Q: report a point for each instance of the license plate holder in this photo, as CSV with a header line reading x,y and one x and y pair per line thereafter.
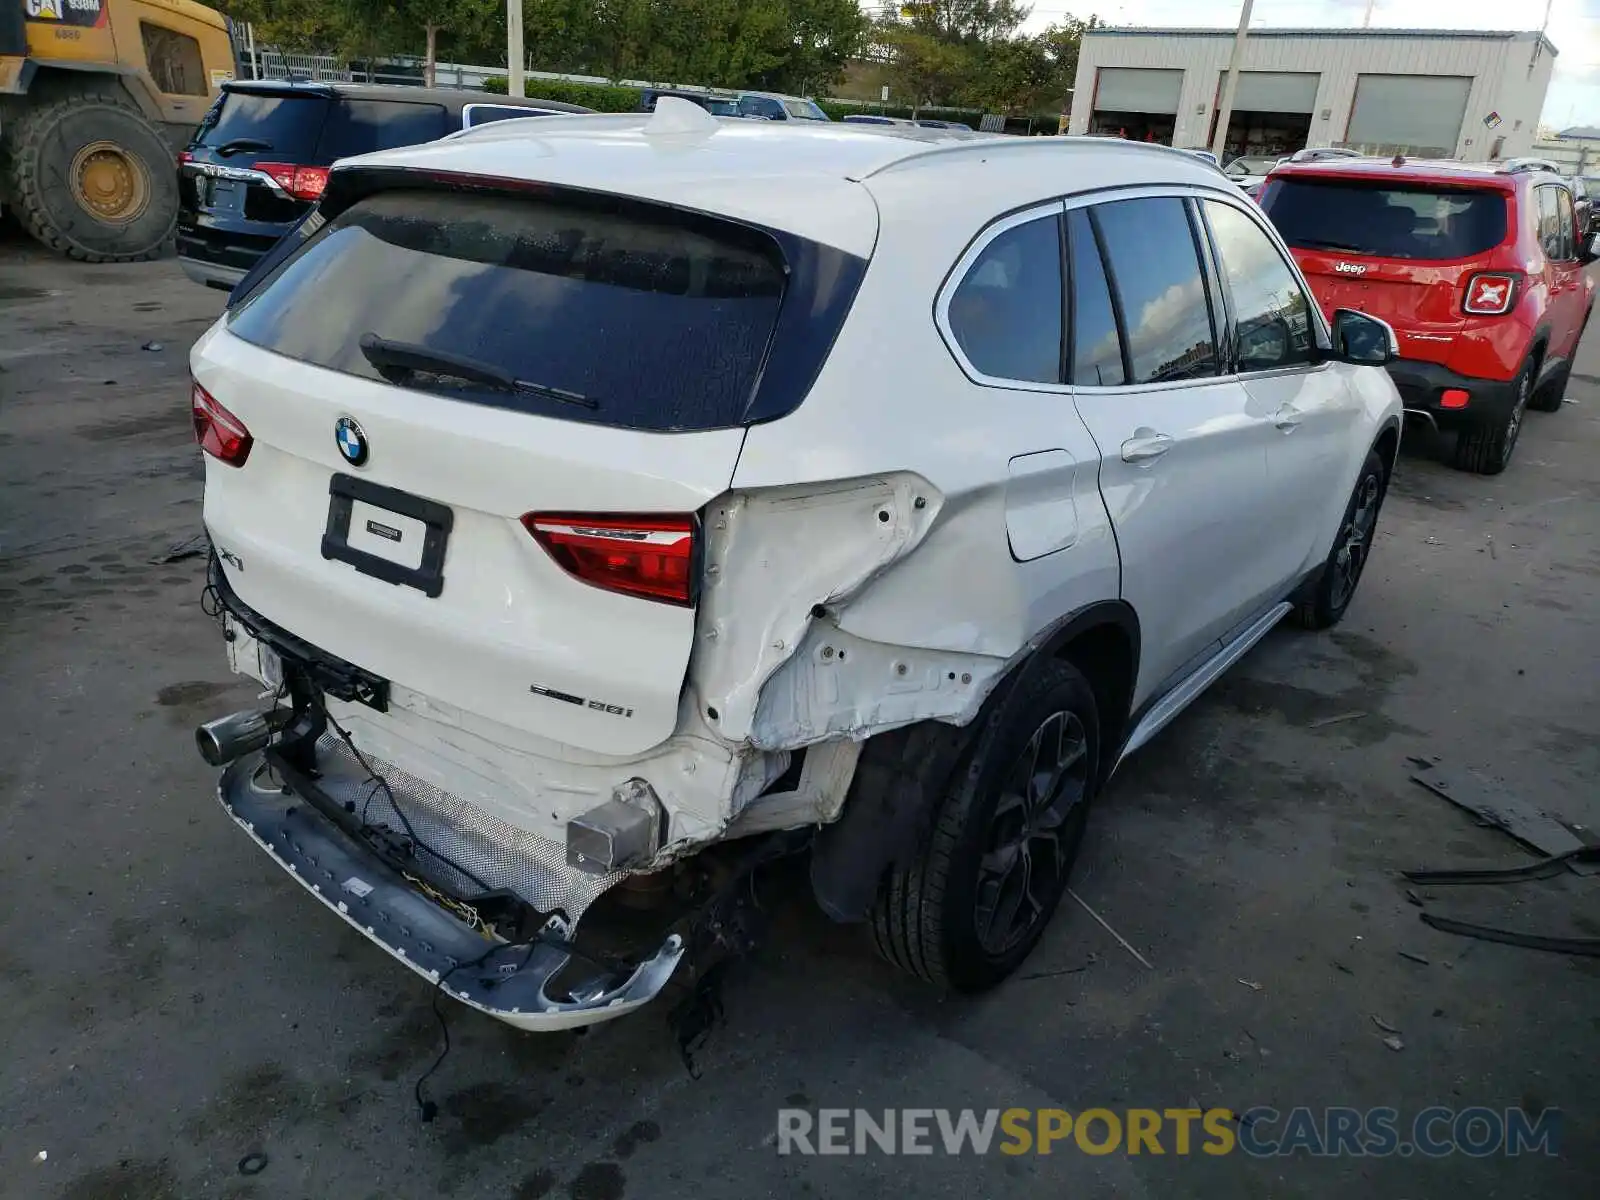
x,y
344,491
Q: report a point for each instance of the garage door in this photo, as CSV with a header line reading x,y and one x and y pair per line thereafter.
x,y
1137,90
1272,91
1418,111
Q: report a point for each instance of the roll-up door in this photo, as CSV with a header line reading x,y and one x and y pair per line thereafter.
x,y
1137,90
1419,111
1273,91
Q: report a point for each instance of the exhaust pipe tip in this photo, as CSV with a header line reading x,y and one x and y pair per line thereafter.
x,y
226,738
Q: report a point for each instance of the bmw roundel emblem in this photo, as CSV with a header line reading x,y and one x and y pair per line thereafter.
x,y
352,442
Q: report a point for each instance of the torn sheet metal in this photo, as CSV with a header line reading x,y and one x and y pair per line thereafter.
x,y
775,557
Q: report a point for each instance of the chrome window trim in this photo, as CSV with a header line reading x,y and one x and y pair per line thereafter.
x,y
958,275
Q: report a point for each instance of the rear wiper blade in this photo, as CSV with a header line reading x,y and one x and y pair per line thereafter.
x,y
240,145
399,361
1324,244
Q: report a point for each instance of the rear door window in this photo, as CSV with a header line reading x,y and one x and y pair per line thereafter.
x,y
1355,217
1556,223
363,126
1006,312
1569,249
284,128
633,319
1156,277
1096,344
484,114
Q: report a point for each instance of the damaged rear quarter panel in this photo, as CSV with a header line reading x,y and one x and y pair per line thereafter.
x,y
924,609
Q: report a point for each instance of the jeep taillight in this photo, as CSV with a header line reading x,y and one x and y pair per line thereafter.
x,y
647,556
220,434
303,183
1491,293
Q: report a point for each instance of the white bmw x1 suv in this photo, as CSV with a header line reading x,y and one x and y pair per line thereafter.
x,y
613,503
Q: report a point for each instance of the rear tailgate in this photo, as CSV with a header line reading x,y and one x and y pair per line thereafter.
x,y
224,185
1398,249
640,344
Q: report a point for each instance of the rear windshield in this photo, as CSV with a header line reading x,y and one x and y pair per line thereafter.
x,y
363,126
603,316
285,127
1388,222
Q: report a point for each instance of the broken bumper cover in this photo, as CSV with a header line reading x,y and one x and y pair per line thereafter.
x,y
509,982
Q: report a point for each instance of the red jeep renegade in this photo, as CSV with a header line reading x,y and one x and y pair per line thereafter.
x,y
1479,269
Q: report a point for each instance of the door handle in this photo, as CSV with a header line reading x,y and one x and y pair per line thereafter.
x,y
1144,445
1287,418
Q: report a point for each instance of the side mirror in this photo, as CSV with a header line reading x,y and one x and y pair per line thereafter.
x,y
1358,338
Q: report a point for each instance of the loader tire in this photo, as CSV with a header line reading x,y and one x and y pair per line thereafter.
x,y
91,178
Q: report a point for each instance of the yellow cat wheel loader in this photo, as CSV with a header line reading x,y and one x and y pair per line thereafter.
x,y
96,98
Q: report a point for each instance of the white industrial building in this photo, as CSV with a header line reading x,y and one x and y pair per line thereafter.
x,y
1445,93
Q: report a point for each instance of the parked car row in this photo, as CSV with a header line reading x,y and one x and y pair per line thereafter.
x,y
962,505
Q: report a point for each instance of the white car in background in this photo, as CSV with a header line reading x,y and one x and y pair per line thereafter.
x,y
614,503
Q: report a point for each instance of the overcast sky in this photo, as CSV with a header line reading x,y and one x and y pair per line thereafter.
x,y
1574,97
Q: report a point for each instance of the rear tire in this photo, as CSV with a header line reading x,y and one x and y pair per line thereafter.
x,y
1341,574
1549,397
974,903
92,179
1486,448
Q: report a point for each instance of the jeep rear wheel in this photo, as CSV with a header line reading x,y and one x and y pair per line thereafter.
x,y
1549,398
1486,448
94,180
975,902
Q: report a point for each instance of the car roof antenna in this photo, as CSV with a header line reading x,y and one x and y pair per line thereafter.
x,y
675,116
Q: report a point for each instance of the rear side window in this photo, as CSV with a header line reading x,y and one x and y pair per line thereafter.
x,y
363,126
1155,271
761,106
1417,221
1272,317
615,318
1555,223
282,127
804,110
1006,312
1096,345
484,114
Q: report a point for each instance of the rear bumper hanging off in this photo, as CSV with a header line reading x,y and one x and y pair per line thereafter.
x,y
504,980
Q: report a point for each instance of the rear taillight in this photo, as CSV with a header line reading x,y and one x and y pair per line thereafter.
x,y
184,156
220,434
647,556
303,183
1491,293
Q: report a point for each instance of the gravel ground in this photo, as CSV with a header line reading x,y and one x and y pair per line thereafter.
x,y
172,1003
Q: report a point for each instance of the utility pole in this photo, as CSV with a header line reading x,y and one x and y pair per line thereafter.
x,y
514,51
1366,21
1231,83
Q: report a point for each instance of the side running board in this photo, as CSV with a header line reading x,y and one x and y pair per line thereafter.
x,y
1203,676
